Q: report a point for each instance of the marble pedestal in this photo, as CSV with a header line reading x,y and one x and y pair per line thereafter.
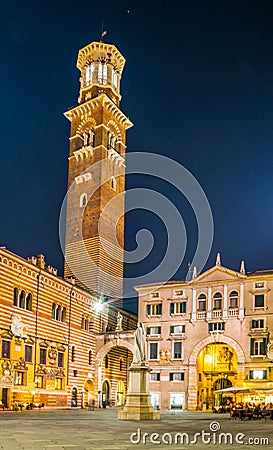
x,y
138,404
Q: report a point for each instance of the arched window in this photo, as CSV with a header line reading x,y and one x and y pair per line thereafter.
x,y
90,357
83,200
83,322
29,302
15,296
120,365
115,78
73,353
233,299
89,72
202,302
217,300
58,312
113,183
64,315
102,73
106,362
53,315
22,296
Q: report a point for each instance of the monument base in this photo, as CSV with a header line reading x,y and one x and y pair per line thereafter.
x,y
138,404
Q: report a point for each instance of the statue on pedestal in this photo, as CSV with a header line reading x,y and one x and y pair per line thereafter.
x,y
119,322
140,354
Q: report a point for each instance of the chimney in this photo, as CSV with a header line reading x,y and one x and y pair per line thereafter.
x,y
41,261
32,260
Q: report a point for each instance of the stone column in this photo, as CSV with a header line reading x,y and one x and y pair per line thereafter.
x,y
241,304
193,316
225,306
209,314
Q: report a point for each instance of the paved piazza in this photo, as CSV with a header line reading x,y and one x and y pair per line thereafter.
x,y
100,429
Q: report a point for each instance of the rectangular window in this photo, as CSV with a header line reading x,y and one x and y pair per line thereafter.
x,y
258,346
217,326
39,381
153,350
258,323
60,359
20,378
28,353
177,329
155,295
177,350
178,293
178,308
59,383
153,330
42,355
6,349
154,309
259,301
155,376
177,376
257,375
259,285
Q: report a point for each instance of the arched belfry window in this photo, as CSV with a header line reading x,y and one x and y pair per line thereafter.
x,y
88,138
15,296
22,296
83,200
115,78
89,73
102,73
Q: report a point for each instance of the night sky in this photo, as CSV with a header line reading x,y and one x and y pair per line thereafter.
x,y
198,86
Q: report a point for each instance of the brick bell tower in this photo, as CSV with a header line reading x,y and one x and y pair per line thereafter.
x,y
97,174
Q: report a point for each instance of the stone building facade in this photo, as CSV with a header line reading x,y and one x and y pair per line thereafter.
x,y
50,334
207,334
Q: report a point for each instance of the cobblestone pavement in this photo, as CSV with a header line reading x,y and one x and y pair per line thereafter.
x,y
100,429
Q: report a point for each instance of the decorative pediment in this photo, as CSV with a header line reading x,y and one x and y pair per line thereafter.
x,y
29,341
40,370
61,348
43,344
7,335
219,273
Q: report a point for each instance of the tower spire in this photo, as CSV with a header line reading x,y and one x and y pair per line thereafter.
x,y
242,268
218,259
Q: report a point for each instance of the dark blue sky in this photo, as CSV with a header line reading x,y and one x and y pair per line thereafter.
x,y
198,85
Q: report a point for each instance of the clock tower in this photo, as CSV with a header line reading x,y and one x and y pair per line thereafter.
x,y
96,175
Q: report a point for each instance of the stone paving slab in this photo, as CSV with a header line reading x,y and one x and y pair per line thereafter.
x,y
101,429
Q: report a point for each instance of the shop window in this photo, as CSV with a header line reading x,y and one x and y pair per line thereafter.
x,y
59,383
257,375
39,381
20,378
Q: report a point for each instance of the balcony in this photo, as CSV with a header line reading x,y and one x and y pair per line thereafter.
x,y
233,312
217,313
201,315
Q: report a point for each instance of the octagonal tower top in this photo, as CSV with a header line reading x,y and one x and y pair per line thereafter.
x,y
101,66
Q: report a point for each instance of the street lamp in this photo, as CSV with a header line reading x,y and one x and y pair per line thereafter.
x,y
98,307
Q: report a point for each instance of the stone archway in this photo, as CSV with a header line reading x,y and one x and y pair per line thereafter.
x,y
89,392
212,339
